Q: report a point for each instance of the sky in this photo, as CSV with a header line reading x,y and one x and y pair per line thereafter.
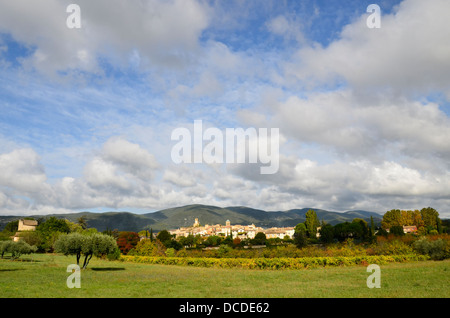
x,y
87,112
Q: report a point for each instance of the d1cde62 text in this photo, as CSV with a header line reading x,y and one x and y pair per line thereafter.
x,y
245,307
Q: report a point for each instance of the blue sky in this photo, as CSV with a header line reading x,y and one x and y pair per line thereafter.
x,y
87,114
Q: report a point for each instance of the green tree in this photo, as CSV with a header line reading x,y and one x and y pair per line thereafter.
x,y
397,230
31,237
311,223
392,218
259,239
11,227
363,231
372,226
5,247
300,239
49,231
77,244
212,240
164,236
439,225
71,244
82,221
16,248
326,233
429,217
346,230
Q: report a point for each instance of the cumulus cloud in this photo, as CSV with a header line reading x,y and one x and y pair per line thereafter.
x,y
152,32
407,55
341,122
22,171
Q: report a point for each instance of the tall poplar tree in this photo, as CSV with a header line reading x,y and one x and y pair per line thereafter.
x,y
311,223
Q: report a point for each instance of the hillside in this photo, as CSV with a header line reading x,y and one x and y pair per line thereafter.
x,y
184,216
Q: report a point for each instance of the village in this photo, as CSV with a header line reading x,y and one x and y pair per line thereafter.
x,y
235,231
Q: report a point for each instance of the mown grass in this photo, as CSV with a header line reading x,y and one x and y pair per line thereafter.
x,y
45,276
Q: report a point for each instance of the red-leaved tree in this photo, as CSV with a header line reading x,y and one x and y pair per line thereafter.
x,y
127,241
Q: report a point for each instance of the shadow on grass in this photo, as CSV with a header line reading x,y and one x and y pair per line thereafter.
x,y
24,260
11,269
106,269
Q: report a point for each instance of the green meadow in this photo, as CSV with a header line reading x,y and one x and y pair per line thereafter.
x,y
45,275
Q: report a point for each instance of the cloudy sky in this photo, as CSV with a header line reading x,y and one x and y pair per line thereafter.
x,y
86,114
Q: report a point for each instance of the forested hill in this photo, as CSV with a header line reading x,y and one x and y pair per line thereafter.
x,y
184,216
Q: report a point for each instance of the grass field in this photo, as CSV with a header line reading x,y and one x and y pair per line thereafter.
x,y
41,275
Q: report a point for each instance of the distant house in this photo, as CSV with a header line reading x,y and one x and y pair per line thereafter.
x,y
25,225
280,233
407,229
410,229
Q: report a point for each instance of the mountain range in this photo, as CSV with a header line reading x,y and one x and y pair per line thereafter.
x,y
174,218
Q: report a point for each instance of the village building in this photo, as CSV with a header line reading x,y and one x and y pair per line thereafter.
x,y
279,232
24,225
407,229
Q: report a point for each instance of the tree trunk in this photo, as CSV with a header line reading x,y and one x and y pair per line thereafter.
x,y
86,260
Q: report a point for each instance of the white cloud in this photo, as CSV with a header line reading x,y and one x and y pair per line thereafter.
x,y
407,55
161,32
286,26
21,170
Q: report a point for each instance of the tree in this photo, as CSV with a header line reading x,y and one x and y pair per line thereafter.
x,y
78,244
259,239
163,236
372,237
397,230
49,231
5,247
11,227
439,225
346,230
82,221
98,245
392,218
213,240
372,226
362,231
311,223
300,239
16,248
150,248
127,241
417,219
326,233
429,217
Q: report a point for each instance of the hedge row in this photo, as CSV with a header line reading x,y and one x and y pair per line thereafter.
x,y
274,263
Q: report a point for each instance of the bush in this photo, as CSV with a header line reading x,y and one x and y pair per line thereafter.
x,y
148,248
393,247
273,263
438,249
